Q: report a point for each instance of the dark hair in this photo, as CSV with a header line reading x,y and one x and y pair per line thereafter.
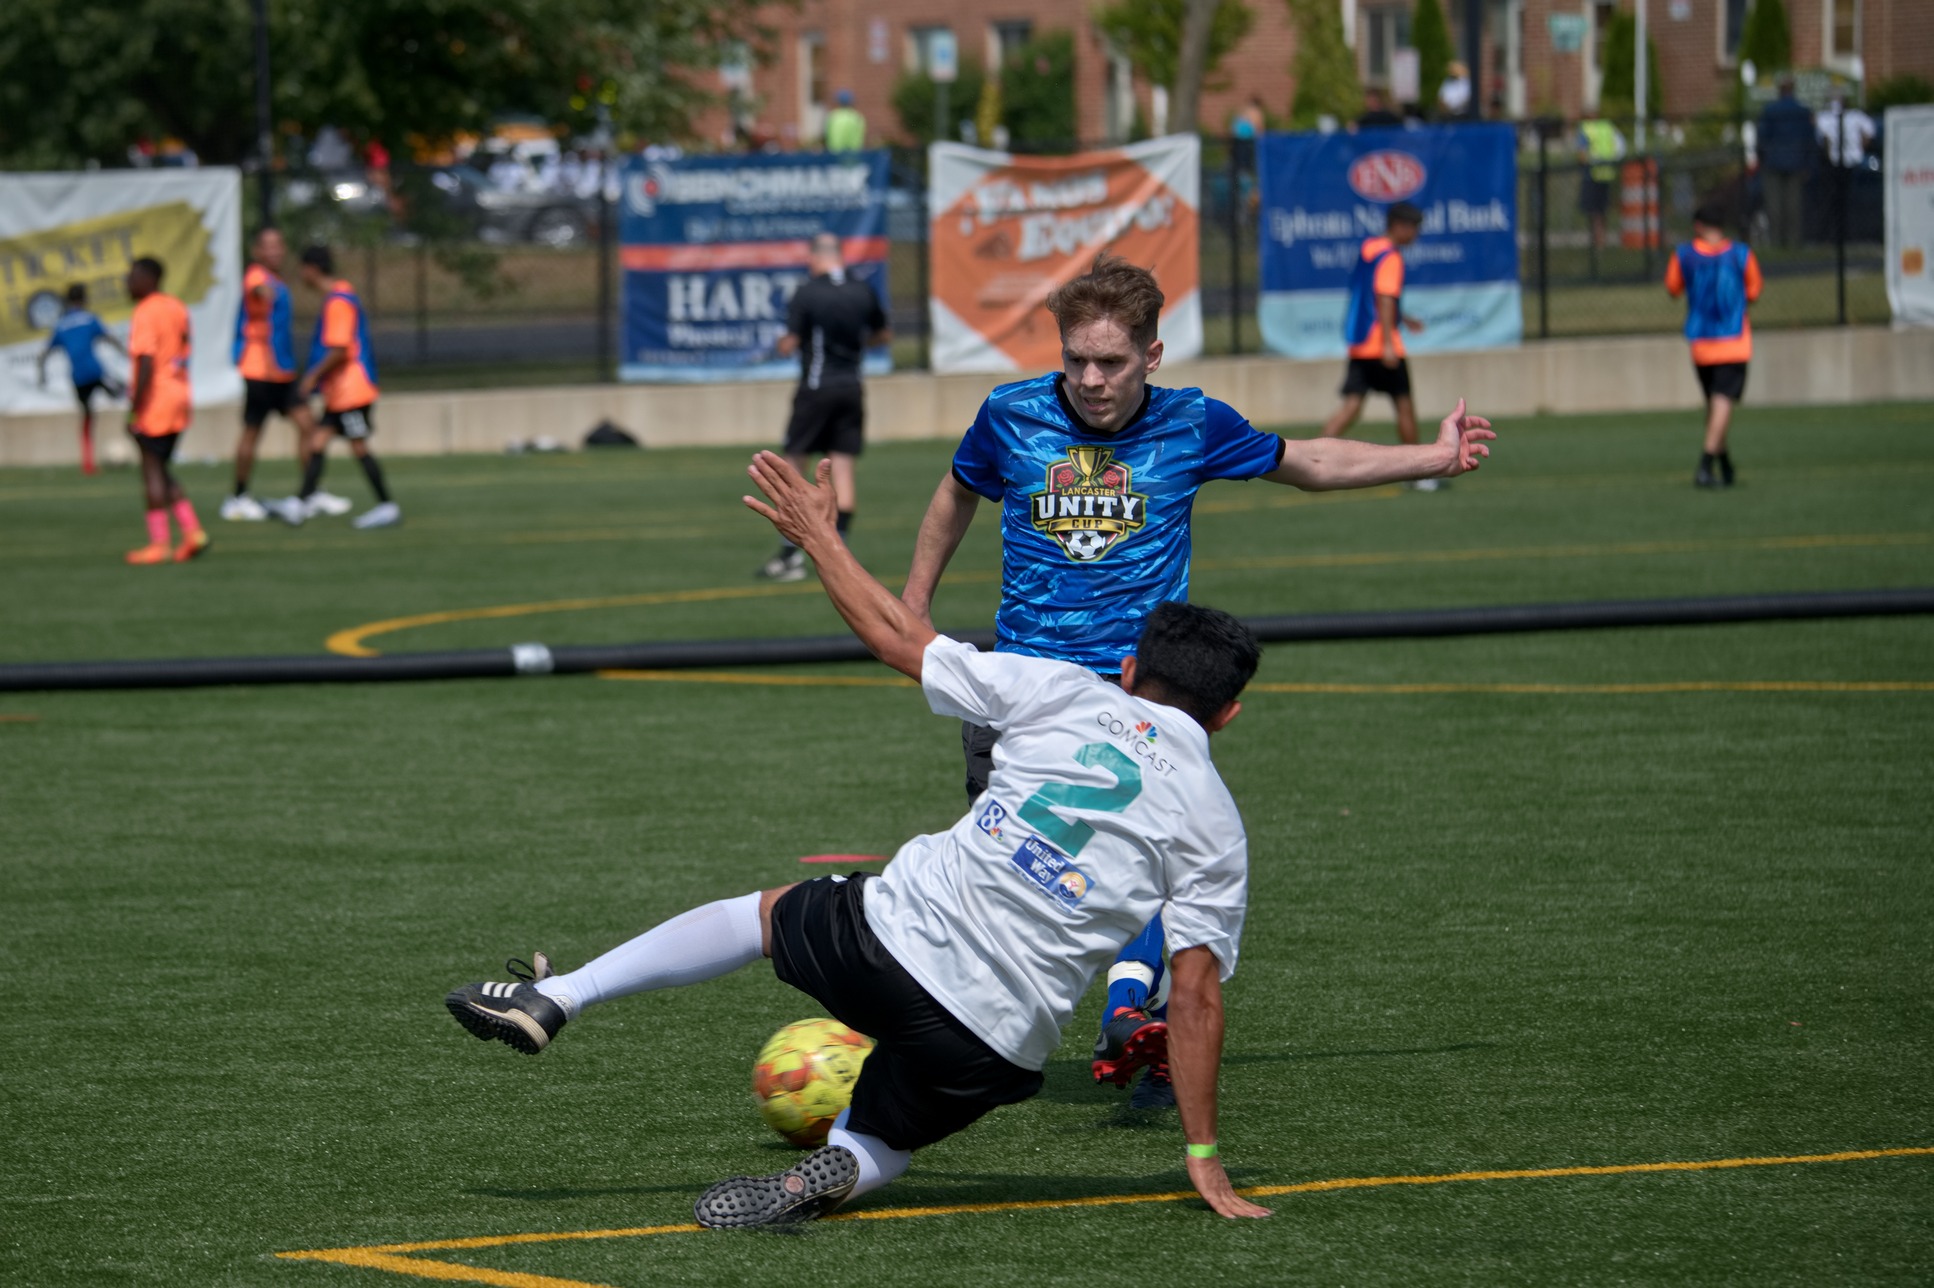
x,y
1404,213
151,266
1710,214
1194,658
77,293
319,257
1113,289
264,231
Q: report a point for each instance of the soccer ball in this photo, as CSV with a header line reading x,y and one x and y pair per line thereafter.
x,y
804,1077
1086,545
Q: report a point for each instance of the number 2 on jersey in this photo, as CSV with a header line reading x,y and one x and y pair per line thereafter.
x,y
1069,838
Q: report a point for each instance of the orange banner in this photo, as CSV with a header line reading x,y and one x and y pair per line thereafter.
x,y
1006,230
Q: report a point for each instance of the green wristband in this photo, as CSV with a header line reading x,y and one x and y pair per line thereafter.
x,y
1202,1151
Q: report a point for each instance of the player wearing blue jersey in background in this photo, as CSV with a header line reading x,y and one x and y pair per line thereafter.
x,y
75,334
1096,473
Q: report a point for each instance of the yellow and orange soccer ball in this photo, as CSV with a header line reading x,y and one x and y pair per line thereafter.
x,y
804,1077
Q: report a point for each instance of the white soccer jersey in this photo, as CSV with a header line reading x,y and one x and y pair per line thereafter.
x,y
1103,810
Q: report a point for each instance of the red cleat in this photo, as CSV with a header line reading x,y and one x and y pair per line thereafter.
x,y
1129,1040
152,553
192,545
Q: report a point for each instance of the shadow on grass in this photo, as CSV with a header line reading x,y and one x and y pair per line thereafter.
x,y
1070,1082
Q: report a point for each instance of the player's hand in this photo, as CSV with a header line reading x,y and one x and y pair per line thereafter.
x,y
1212,1183
1413,325
1462,436
1391,360
804,513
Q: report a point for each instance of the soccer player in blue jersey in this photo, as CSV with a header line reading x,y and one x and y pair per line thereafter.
x,y
75,334
1096,471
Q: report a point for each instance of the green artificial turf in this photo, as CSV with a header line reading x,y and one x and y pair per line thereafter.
x,y
1487,930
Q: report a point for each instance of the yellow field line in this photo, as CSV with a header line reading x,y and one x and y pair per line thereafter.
x,y
393,1257
18,719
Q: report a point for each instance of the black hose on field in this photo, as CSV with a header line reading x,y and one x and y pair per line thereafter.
x,y
539,659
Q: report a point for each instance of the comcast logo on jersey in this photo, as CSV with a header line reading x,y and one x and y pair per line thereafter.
x,y
1139,737
1087,505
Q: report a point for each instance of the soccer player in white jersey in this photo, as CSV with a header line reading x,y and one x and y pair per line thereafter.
x,y
965,958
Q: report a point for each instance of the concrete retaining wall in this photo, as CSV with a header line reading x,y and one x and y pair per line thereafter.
x,y
1640,373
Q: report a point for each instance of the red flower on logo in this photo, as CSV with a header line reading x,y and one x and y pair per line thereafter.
x,y
1064,477
1112,477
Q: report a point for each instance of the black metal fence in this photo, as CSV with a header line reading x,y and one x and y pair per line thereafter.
x,y
473,282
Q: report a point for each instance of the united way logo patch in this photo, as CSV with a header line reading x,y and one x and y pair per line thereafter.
x,y
1089,503
1050,869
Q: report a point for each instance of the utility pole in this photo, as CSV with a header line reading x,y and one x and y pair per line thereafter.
x,y
1639,86
1474,55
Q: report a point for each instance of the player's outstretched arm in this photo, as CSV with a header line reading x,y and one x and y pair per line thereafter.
x,y
807,515
1195,1061
941,530
1334,464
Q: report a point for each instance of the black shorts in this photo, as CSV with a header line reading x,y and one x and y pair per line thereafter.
x,y
85,392
1370,376
352,422
929,1075
1594,195
827,420
159,446
261,397
1723,380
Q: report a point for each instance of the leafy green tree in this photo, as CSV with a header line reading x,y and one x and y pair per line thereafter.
x,y
1037,91
913,102
1149,35
1618,92
1430,36
1324,69
1765,38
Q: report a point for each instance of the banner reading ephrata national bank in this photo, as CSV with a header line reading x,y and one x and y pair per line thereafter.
x,y
58,230
1006,230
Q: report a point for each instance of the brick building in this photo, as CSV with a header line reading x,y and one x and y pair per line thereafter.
x,y
1540,56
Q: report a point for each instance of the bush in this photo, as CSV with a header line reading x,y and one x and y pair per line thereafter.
x,y
1324,69
1765,38
913,101
1430,34
1037,91
1899,91
1618,93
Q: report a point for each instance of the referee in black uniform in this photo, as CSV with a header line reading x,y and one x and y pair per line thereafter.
x,y
830,324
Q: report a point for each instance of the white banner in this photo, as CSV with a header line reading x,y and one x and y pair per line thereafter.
x,y
60,229
1005,230
1910,215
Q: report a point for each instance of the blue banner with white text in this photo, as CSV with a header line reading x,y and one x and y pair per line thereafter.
x,y
713,247
1324,194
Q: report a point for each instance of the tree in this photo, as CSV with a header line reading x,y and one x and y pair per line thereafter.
x,y
1037,91
1430,36
913,102
1149,34
1618,92
1324,70
1765,39
82,83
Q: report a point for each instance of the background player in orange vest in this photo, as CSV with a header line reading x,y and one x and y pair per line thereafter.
x,y
342,367
159,408
265,354
1373,329
1719,279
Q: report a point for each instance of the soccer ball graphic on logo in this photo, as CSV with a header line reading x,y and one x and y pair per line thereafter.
x,y
804,1076
1087,545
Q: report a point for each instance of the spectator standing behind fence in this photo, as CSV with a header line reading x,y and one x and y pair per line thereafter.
x,y
1845,132
1720,279
1786,152
845,127
1600,148
1454,95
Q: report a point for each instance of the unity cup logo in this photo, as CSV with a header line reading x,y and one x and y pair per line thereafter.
x,y
1087,505
1386,176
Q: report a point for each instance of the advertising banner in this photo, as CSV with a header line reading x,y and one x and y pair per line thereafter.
x,y
59,230
1323,194
1006,230
713,248
1910,215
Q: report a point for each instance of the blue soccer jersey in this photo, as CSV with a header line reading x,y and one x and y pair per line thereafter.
x,y
1095,527
75,334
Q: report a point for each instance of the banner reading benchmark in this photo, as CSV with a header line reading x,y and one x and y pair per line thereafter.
x,y
714,247
1006,230
1322,194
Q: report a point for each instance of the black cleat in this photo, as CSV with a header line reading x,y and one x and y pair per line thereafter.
x,y
1725,470
514,1014
1129,1041
1703,476
809,1189
1154,1091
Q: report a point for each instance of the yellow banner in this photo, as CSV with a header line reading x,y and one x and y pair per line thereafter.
x,y
36,269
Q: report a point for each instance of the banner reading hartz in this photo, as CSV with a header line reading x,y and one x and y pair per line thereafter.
x,y
714,247
1006,230
60,230
1322,194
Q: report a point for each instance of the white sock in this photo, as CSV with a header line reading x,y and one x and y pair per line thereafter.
x,y
879,1162
694,946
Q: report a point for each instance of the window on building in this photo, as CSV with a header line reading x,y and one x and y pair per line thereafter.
x,y
1732,24
1385,30
1004,40
1843,30
920,41
812,84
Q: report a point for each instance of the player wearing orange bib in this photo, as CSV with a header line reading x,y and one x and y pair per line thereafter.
x,y
159,409
343,369
265,354
1720,281
1373,328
